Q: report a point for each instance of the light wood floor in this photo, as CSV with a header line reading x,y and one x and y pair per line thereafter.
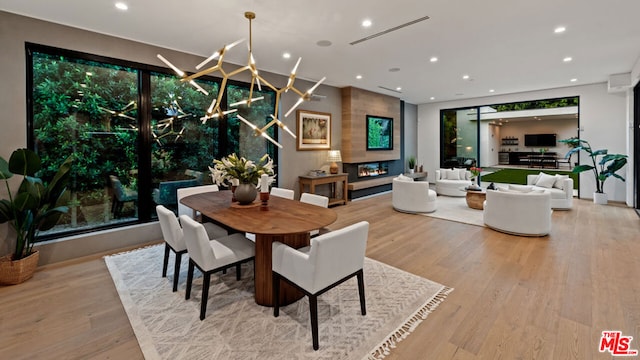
x,y
514,297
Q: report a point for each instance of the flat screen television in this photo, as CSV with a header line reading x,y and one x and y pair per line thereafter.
x,y
379,133
540,140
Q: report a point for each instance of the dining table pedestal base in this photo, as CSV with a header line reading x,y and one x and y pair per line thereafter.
x,y
263,273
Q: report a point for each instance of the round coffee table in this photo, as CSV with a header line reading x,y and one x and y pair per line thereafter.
x,y
475,199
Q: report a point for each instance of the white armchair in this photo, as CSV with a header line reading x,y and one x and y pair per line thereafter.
x,y
518,213
331,259
413,196
173,241
451,182
213,230
210,256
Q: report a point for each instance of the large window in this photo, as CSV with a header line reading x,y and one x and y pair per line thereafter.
x,y
135,132
492,135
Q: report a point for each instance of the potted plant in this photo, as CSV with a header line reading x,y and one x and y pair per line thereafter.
x,y
34,207
602,169
412,164
246,172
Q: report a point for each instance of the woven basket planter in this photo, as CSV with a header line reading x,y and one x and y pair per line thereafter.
x,y
14,272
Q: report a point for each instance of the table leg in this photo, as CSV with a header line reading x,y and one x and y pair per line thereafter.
x,y
262,273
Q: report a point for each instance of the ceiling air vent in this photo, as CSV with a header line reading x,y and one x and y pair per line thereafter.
x,y
389,30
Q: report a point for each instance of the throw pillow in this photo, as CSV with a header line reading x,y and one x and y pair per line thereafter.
x,y
559,183
453,175
462,174
401,177
443,174
545,180
520,188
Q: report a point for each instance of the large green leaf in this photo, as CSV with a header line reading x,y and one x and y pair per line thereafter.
x,y
4,169
6,211
24,162
581,168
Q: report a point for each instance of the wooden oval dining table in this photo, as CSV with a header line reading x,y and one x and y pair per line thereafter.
x,y
286,221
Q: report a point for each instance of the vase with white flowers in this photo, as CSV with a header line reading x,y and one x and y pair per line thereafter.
x,y
247,173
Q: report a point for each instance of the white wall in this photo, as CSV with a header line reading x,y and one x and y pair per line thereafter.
x,y
603,118
410,135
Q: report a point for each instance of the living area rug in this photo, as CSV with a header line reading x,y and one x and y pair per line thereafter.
x,y
455,209
168,327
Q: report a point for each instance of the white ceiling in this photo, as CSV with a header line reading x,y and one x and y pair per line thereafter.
x,y
506,45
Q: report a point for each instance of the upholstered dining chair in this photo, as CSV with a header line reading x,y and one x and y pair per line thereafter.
x,y
210,256
213,230
283,193
317,200
173,241
331,259
121,195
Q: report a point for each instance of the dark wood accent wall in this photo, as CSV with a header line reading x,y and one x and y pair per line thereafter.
x,y
356,105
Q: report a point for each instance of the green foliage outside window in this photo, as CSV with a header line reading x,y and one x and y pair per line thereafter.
x,y
90,109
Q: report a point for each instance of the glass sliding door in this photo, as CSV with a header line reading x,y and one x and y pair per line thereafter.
x,y
459,134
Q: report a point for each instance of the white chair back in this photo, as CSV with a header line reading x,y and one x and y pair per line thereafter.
x,y
198,247
183,192
314,199
283,193
337,254
171,230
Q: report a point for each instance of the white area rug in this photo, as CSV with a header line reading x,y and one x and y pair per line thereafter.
x,y
456,209
168,327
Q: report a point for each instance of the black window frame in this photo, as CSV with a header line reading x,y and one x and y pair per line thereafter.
x,y
146,207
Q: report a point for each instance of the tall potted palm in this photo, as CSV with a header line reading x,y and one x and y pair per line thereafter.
x,y
35,206
602,169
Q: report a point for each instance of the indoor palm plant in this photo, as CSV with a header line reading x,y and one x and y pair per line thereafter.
x,y
602,169
35,206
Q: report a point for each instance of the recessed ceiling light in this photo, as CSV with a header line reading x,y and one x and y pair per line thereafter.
x,y
567,59
358,77
366,23
491,90
324,43
395,69
286,55
574,80
432,98
122,6
434,59
399,88
559,29
465,77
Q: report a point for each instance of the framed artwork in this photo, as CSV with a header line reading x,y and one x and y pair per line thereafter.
x,y
379,133
313,130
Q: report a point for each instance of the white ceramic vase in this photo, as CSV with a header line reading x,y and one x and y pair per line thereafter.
x,y
600,198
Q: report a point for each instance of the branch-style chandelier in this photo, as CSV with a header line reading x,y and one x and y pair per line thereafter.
x,y
214,110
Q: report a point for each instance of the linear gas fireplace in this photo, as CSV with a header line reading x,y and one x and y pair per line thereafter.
x,y
373,169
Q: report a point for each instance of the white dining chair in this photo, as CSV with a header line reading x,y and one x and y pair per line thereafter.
x,y
173,241
213,230
283,193
214,255
331,259
317,200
